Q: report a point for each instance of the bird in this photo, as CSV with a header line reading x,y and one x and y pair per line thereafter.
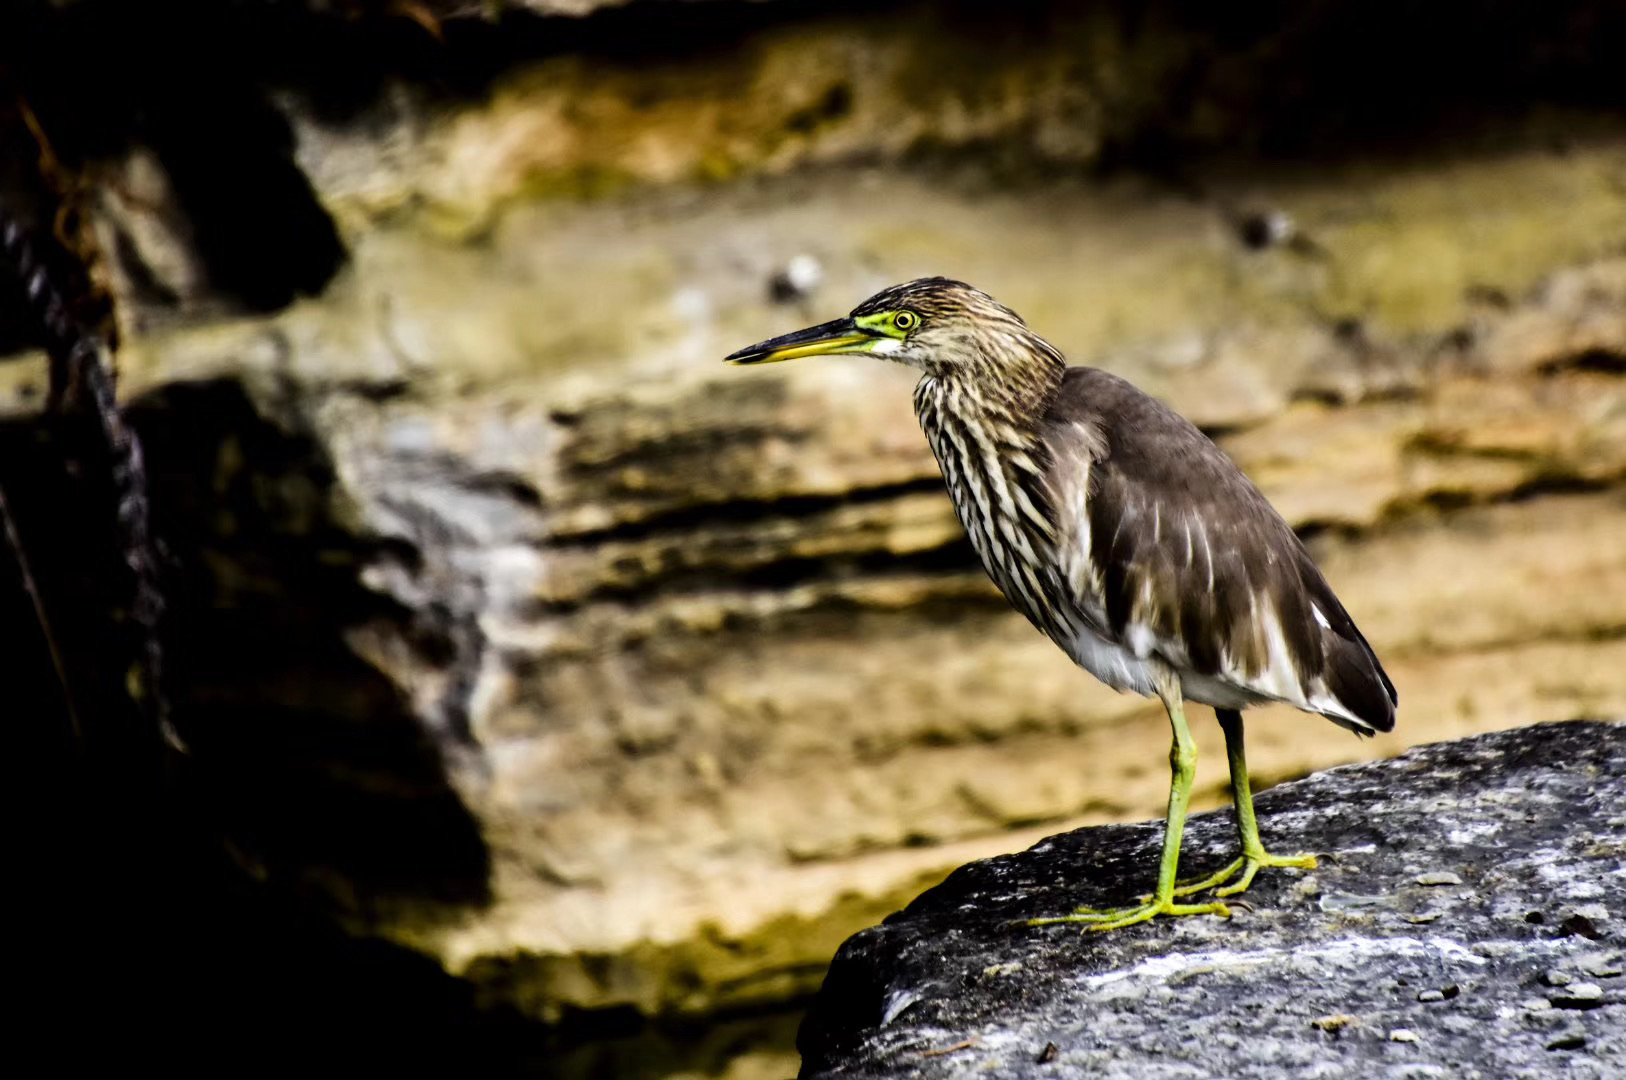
x,y
1129,538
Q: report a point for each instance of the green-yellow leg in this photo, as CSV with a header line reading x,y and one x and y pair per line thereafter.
x,y
1182,770
1254,856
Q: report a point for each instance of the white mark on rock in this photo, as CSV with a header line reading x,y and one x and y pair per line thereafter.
x,y
896,1002
1473,834
1346,950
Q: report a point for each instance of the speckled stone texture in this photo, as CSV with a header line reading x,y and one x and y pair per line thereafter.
x,y
1466,921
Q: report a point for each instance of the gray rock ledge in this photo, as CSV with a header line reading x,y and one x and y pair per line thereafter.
x,y
1466,921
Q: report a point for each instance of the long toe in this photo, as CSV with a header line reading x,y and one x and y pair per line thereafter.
x,y
1152,910
1085,915
1115,919
1218,877
1252,864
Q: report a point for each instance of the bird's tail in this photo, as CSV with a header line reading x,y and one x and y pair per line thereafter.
x,y
1358,682
1355,678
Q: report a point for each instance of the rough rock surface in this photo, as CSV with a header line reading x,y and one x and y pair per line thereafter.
x,y
1465,921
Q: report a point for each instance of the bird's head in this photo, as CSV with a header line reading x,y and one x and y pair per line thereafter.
x,y
946,328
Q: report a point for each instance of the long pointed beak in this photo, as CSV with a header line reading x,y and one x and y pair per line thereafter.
x,y
836,336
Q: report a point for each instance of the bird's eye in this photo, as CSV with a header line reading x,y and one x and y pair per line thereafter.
x,y
905,320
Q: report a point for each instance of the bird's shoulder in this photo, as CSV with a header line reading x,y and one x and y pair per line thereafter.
x,y
1133,437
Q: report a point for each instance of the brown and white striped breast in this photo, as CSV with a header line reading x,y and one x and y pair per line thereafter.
x,y
995,477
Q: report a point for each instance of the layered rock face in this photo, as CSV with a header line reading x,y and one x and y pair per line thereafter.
x,y
666,677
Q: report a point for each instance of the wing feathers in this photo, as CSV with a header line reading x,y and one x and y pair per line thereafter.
x,y
1195,564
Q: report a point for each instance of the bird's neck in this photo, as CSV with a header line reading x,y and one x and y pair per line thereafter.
x,y
1006,391
995,461
1000,424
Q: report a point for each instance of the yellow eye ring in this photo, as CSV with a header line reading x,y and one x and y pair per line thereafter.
x,y
905,320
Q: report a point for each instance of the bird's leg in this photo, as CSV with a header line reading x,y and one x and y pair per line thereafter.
x,y
1253,854
1182,770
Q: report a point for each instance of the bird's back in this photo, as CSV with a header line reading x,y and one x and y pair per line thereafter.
x,y
1170,551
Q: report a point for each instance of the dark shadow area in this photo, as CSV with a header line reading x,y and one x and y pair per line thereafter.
x,y
307,747
180,909
185,81
635,1049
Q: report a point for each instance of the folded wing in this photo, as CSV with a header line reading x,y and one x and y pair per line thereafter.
x,y
1189,562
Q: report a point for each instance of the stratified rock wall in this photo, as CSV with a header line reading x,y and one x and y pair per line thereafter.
x,y
481,545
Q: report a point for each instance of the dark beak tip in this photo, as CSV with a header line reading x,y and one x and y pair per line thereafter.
x,y
751,354
756,354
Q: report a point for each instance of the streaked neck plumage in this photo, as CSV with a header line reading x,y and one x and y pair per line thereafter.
x,y
1003,370
982,404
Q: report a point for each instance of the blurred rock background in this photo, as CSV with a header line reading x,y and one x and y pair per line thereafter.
x,y
577,679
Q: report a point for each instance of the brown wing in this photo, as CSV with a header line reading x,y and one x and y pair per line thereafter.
x,y
1187,551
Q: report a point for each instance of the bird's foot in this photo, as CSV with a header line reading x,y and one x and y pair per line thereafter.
x,y
1117,918
1252,863
1218,877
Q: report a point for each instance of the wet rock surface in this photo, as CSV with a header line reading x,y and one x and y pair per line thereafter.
x,y
1465,921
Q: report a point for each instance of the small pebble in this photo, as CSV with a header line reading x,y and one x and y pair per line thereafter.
x,y
1334,1022
1536,1004
1558,978
1438,877
1579,925
1403,1035
1579,996
1602,967
1431,995
1424,917
1569,1041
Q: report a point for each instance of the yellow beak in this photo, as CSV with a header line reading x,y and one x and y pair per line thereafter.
x,y
837,336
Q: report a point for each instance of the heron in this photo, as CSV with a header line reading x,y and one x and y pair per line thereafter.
x,y
1129,538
